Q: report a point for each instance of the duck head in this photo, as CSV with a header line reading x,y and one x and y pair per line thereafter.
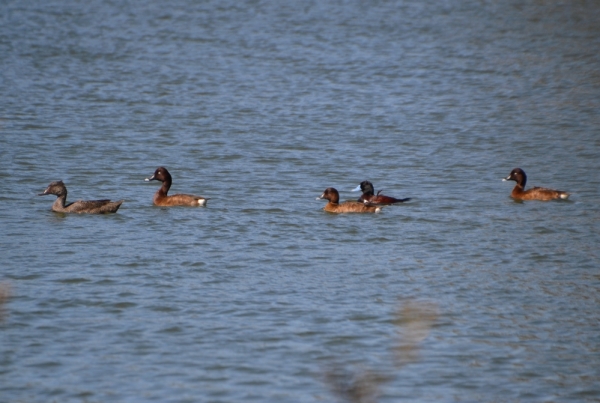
x,y
56,188
330,194
366,187
161,174
517,175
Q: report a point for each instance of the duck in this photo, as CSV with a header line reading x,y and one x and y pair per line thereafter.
x,y
334,206
59,189
161,198
370,198
536,193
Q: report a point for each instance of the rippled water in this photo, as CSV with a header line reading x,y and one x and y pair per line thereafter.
x,y
261,106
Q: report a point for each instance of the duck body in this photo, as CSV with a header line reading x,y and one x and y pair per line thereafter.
x,y
536,193
161,198
59,189
334,206
371,199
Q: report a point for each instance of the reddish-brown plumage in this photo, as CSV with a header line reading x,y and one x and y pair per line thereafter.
x,y
334,206
162,199
536,193
373,199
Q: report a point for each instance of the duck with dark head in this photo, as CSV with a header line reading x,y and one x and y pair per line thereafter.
x,y
370,198
334,205
536,193
162,199
59,189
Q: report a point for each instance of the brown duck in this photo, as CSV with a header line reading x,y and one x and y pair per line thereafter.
x,y
370,198
161,198
59,189
536,193
334,205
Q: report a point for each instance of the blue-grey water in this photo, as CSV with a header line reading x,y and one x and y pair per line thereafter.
x,y
261,105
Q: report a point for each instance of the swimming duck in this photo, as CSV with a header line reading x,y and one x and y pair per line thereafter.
x,y
161,198
536,193
371,199
334,206
59,189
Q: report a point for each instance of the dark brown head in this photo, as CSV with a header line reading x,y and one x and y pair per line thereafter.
x,y
330,194
366,187
57,188
161,174
517,175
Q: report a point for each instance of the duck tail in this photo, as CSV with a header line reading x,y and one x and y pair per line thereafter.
x,y
564,195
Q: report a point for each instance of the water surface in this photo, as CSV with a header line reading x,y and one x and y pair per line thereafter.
x,y
261,106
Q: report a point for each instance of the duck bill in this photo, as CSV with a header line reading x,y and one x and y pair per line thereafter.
x,y
356,189
506,179
44,193
149,179
321,197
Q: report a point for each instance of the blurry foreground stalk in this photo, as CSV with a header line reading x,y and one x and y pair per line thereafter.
x,y
413,321
4,295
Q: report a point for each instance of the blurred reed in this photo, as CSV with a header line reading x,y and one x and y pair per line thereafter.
x,y
413,320
4,296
